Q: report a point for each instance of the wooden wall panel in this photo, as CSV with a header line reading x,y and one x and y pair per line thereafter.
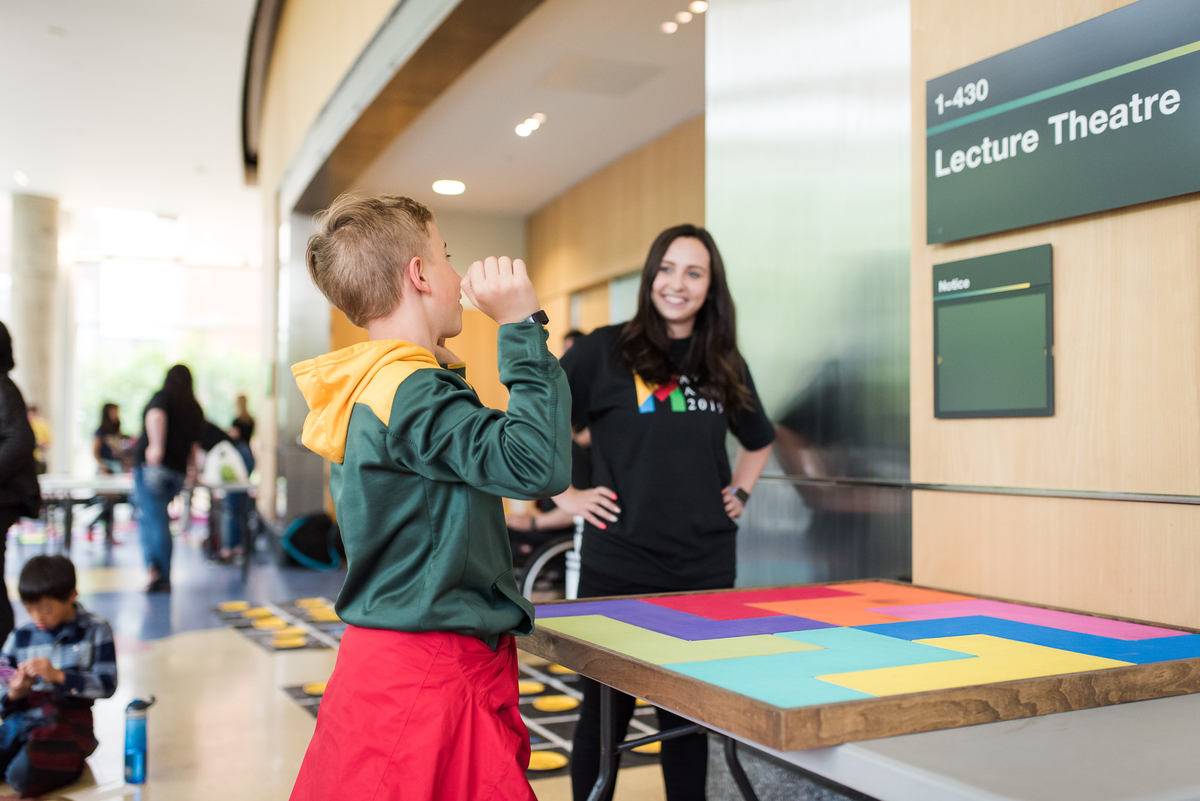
x,y
1138,560
316,44
602,227
1127,384
592,304
342,332
476,346
1126,307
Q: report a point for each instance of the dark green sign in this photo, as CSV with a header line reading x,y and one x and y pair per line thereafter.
x,y
1098,116
993,336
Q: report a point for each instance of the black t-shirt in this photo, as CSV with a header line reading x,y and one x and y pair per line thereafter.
x,y
185,426
665,459
109,445
245,427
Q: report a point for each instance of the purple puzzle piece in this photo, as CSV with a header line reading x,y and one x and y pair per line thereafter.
x,y
677,624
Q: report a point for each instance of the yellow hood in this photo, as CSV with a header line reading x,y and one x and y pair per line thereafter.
x,y
368,372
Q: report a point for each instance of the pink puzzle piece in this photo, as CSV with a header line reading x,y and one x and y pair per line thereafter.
x,y
1066,621
732,605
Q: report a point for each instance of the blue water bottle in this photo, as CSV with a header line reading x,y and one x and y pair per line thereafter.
x,y
135,740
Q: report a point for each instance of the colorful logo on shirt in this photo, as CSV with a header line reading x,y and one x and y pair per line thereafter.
x,y
677,392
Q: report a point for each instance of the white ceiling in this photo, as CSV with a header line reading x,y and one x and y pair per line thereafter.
x,y
602,71
126,103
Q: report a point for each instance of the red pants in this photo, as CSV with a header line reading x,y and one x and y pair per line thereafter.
x,y
410,717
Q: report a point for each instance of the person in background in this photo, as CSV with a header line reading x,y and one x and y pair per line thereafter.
x,y
109,445
225,534
236,503
242,427
20,495
41,435
659,395
61,662
110,449
168,448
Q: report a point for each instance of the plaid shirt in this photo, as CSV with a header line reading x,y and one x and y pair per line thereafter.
x,y
81,648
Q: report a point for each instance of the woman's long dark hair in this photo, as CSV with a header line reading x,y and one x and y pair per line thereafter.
x,y
713,357
177,386
109,427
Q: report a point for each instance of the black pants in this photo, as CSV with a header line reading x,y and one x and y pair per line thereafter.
x,y
684,760
8,516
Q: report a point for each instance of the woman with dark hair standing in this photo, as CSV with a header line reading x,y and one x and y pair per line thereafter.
x,y
108,445
172,425
110,451
659,394
20,495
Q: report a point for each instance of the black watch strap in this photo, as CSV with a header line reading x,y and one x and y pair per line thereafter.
x,y
538,316
742,495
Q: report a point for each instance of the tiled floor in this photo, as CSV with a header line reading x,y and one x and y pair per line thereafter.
x,y
222,726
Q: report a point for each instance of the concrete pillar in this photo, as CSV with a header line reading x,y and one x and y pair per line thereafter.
x,y
34,293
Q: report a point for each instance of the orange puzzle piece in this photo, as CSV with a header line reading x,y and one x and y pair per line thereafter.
x,y
853,610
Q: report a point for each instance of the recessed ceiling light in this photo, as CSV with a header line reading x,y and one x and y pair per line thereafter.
x,y
670,27
524,130
21,178
683,17
532,124
698,6
449,187
540,117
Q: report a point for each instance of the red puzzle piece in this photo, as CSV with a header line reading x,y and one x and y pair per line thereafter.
x,y
733,605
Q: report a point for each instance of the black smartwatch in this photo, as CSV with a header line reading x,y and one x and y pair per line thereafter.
x,y
742,495
538,316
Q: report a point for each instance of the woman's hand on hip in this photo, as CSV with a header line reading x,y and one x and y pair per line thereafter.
x,y
596,505
733,504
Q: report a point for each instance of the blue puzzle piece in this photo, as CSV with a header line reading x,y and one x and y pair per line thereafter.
x,y
787,680
1139,652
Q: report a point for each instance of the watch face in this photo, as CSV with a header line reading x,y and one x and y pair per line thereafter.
x,y
540,316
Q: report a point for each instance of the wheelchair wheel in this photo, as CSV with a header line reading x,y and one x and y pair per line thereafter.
x,y
547,563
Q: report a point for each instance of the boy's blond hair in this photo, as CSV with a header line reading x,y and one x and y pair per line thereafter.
x,y
360,246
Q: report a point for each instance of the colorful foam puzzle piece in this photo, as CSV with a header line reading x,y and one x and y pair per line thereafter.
x,y
789,680
1051,618
678,624
1138,652
744,604
659,649
997,660
853,608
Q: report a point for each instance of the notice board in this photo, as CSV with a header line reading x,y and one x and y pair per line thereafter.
x,y
993,332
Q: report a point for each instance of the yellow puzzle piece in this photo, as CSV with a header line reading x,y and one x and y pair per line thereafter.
x,y
998,660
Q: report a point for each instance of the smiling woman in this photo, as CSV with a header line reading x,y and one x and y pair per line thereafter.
x,y
659,395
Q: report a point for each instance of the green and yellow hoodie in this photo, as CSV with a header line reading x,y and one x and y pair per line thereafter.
x,y
419,467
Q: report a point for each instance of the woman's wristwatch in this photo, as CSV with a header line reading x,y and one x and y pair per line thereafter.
x,y
741,494
538,316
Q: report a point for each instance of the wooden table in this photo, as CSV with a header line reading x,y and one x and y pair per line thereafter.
x,y
795,668
66,491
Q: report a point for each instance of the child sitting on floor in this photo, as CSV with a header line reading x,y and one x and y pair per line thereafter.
x,y
64,660
422,704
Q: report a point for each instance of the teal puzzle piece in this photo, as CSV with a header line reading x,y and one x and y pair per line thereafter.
x,y
788,680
